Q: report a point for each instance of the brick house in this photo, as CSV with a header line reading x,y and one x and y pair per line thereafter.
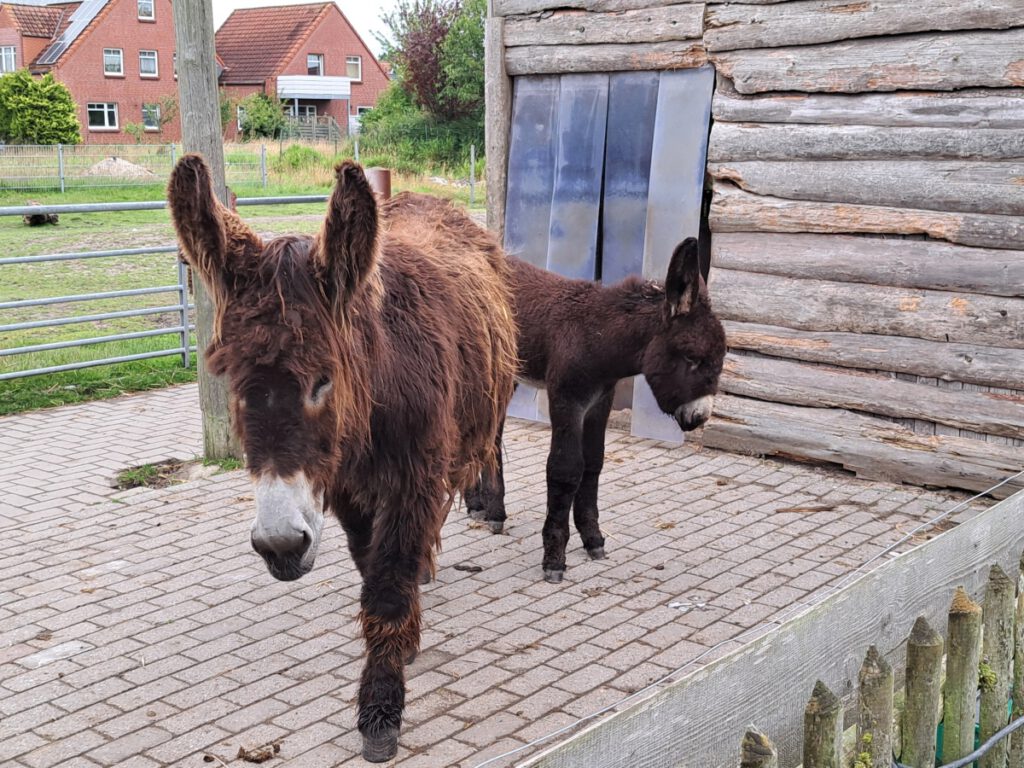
x,y
314,61
115,56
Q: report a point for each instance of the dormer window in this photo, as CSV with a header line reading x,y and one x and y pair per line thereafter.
x,y
315,64
147,10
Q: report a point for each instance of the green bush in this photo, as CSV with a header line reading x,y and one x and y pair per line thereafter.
x,y
37,111
298,157
261,117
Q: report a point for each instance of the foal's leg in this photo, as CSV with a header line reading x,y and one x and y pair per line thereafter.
x,y
391,618
564,472
584,509
486,499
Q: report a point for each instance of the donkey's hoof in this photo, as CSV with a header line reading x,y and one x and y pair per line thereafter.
x,y
478,514
382,747
553,576
496,526
410,657
597,553
425,577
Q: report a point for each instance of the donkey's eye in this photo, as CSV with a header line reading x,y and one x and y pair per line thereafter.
x,y
320,390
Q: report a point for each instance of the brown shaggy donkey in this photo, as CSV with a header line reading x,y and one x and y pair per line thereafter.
x,y
577,339
370,368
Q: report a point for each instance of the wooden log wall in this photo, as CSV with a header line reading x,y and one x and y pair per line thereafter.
x,y
868,246
867,160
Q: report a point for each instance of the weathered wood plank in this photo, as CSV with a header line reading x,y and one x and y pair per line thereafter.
x,y
924,695
559,59
895,262
809,22
974,109
873,448
820,305
734,210
575,27
938,185
497,124
713,705
524,7
785,381
948,362
760,141
940,62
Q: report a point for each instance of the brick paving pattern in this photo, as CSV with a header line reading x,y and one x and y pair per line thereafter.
x,y
138,628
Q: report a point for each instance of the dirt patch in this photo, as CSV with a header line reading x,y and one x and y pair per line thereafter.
x,y
119,168
161,474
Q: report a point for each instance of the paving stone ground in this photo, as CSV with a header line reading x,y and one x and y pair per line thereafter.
x,y
138,628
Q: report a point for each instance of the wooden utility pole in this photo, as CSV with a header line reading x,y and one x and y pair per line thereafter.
x,y
199,107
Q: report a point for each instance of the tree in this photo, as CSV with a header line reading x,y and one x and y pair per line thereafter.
x,y
37,111
462,60
261,116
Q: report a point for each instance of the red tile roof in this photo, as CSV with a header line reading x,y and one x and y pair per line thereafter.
x,y
41,21
255,43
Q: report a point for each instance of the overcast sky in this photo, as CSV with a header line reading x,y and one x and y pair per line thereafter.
x,y
364,15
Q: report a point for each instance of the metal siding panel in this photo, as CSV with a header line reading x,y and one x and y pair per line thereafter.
x,y
531,179
576,202
678,159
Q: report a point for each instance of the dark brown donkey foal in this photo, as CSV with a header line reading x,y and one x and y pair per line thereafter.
x,y
370,368
577,339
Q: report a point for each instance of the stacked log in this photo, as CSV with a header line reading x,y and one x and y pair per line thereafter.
x,y
868,246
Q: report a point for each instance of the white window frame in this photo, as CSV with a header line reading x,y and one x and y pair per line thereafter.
x,y
152,10
155,109
174,64
239,117
156,64
320,62
358,61
360,111
8,59
119,52
105,106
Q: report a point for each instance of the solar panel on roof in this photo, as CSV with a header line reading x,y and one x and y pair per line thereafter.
x,y
80,19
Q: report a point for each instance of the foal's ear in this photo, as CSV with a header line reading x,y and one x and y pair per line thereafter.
x,y
213,239
347,244
682,285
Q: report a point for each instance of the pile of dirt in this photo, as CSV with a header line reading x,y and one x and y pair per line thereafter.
x,y
119,168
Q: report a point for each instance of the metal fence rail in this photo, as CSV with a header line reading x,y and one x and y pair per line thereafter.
x,y
181,308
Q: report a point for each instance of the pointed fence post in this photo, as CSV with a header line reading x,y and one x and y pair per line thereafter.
x,y
963,654
924,687
998,612
823,729
1016,759
874,731
757,750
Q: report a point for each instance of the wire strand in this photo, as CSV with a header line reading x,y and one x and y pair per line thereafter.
x,y
980,751
750,633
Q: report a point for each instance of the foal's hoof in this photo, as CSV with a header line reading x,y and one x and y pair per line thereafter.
x,y
496,526
597,553
553,576
382,747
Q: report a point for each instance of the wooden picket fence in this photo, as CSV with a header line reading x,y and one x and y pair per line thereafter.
x,y
981,659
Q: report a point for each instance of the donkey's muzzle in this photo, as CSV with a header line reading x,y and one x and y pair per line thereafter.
x,y
286,531
695,413
285,557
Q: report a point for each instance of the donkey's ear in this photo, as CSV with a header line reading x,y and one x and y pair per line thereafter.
x,y
682,285
347,244
213,239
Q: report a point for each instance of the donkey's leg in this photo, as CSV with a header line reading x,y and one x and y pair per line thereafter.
x,y
584,507
391,620
358,527
485,501
564,472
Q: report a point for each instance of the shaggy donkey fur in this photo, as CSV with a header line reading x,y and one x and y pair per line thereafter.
x,y
370,369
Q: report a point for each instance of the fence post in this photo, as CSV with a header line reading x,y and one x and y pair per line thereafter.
x,y
963,653
60,166
174,159
924,687
263,164
757,750
998,613
356,154
186,337
874,731
823,729
1017,737
472,174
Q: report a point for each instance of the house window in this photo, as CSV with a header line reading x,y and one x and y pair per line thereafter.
x,y
113,61
102,116
6,58
151,117
362,110
147,10
148,64
354,67
315,64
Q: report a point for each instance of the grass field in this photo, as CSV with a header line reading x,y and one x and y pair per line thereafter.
x,y
113,230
